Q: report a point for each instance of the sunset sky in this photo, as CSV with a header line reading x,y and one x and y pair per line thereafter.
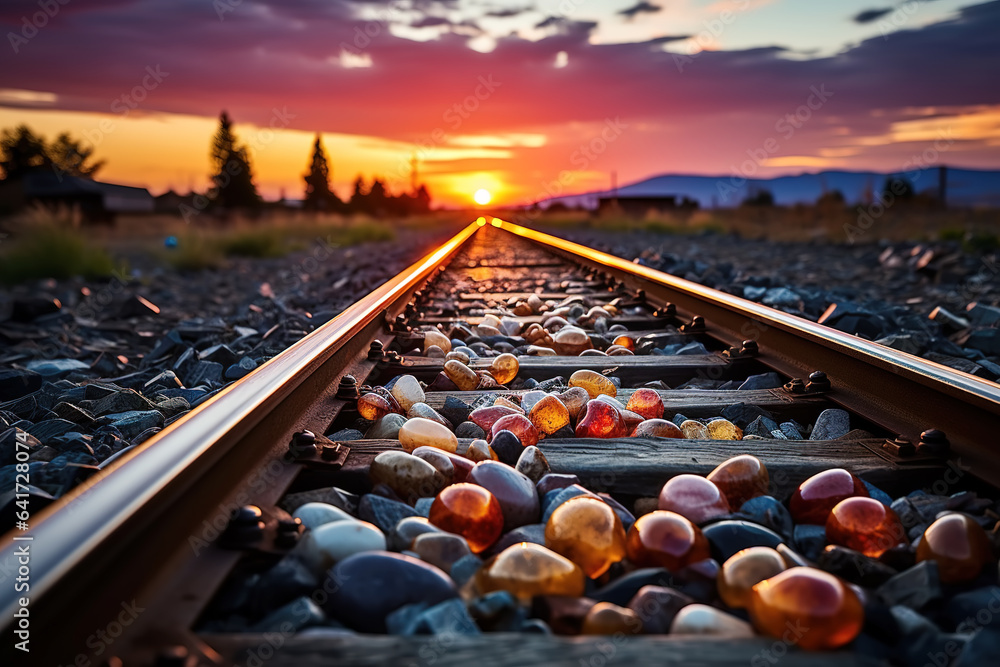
x,y
506,96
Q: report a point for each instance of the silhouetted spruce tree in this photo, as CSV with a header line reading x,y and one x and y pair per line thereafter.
x,y
319,197
422,200
359,197
378,197
233,177
759,197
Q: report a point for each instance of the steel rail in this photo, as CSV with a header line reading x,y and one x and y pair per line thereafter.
x,y
191,464
897,390
138,488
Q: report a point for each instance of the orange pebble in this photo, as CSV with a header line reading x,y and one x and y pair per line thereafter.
x,y
526,570
646,402
588,532
470,511
865,525
815,497
373,406
602,420
520,426
822,611
625,342
740,479
958,545
744,570
657,428
665,539
548,415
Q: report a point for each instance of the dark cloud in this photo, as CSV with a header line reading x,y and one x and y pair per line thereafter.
x,y
430,22
509,12
642,7
869,15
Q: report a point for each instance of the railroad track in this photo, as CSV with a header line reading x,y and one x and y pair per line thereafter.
x,y
144,564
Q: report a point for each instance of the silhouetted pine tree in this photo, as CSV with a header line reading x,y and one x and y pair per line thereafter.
x,y
233,177
319,197
21,152
359,198
378,197
422,200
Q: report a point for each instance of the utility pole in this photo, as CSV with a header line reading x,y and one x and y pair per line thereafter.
x,y
943,186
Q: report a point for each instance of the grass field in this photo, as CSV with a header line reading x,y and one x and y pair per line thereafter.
x,y
41,244
978,228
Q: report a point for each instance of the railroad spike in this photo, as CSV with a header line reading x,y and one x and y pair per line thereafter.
x,y
376,351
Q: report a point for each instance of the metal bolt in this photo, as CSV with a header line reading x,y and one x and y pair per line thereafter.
x,y
248,515
289,531
303,443
697,324
348,389
330,452
900,446
818,381
934,442
376,350
400,325
668,310
175,656
795,386
749,348
246,526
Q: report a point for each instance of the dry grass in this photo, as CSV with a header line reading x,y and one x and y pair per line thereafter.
x,y
44,244
978,228
41,243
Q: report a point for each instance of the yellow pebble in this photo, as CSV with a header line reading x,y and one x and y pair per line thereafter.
x,y
595,383
723,429
695,430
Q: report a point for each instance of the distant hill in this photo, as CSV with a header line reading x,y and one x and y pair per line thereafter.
x,y
966,187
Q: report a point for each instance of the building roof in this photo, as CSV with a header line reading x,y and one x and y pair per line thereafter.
x,y
115,197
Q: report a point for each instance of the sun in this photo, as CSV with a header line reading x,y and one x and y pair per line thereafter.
x,y
482,196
